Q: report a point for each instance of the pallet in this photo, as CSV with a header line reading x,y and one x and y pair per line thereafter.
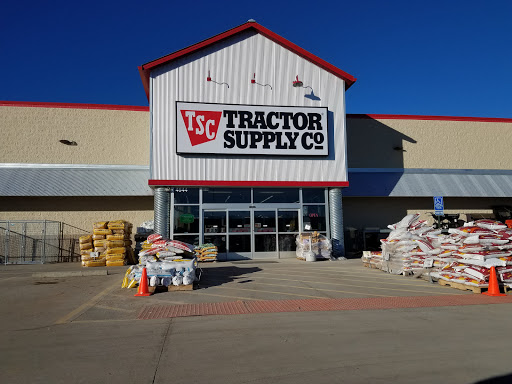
x,y
172,288
464,287
369,265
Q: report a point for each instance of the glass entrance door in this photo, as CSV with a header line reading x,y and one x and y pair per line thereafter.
x,y
239,235
288,227
252,233
265,234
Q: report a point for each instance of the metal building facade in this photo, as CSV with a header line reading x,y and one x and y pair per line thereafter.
x,y
232,64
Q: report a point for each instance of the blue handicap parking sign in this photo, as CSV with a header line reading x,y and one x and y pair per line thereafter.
x,y
438,205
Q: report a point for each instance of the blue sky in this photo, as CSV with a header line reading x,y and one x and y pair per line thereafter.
x,y
451,58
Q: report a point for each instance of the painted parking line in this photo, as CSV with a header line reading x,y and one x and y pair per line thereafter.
x,y
352,285
301,295
379,276
89,304
359,271
202,293
341,281
274,292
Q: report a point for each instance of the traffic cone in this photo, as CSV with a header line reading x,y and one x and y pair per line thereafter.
x,y
494,288
143,284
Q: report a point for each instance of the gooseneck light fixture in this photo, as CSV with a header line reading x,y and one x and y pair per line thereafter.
x,y
209,78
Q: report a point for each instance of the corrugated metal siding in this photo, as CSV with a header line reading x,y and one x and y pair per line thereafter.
x,y
74,181
429,182
234,62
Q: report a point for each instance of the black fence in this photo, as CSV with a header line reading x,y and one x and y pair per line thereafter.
x,y
38,242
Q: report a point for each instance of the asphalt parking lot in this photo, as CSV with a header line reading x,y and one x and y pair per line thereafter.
x,y
102,298
83,329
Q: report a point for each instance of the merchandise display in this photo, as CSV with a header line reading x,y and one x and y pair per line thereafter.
x,y
313,246
463,256
109,245
167,262
206,252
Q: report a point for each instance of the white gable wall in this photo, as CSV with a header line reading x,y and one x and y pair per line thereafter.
x,y
234,62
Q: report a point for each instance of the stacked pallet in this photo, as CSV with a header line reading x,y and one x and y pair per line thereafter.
x,y
462,258
206,252
111,245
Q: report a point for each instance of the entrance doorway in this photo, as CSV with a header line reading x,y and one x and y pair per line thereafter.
x,y
255,233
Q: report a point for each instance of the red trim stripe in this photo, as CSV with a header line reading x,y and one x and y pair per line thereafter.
x,y
423,117
221,183
139,108
146,68
35,104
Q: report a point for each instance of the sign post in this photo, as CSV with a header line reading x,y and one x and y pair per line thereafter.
x,y
438,206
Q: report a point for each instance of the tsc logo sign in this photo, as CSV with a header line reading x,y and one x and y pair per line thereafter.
x,y
265,130
202,126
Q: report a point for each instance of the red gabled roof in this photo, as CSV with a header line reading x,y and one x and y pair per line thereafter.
x,y
145,69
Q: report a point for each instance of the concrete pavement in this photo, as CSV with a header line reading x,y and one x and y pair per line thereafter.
x,y
86,330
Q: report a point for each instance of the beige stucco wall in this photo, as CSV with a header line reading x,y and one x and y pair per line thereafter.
x,y
79,212
428,144
362,212
32,134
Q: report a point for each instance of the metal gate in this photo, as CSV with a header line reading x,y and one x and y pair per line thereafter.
x,y
38,242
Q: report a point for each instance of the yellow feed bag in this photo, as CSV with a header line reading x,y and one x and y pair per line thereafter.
x,y
96,263
85,246
111,251
116,263
116,256
85,239
100,224
115,243
100,243
115,237
101,231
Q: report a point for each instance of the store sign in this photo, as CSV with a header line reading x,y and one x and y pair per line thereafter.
x,y
251,129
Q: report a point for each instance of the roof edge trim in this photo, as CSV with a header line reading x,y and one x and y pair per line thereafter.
x,y
425,117
269,183
36,104
145,69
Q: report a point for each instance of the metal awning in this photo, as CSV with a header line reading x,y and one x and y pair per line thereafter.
x,y
419,182
74,180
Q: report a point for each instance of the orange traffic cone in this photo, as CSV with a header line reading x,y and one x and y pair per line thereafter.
x,y
494,289
143,284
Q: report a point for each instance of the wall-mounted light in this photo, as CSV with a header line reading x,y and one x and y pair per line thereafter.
x,y
209,78
253,81
67,142
297,83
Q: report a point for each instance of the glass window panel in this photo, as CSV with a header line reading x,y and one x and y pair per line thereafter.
x,y
186,195
288,221
186,219
287,243
264,221
218,240
313,195
239,243
191,239
276,195
239,221
214,221
226,195
313,218
265,243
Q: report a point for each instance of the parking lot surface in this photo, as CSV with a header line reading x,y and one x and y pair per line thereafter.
x,y
298,322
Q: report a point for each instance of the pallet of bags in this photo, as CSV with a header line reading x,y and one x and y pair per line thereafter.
x,y
119,244
206,252
164,274
155,247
